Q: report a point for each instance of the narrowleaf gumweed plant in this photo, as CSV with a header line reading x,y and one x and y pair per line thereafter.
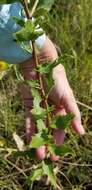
x,y
42,113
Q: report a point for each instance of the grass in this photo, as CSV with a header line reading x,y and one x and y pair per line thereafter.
x,y
69,26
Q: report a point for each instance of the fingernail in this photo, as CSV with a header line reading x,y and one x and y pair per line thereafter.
x,y
81,130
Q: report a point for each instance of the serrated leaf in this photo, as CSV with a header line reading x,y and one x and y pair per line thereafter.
x,y
46,67
33,83
40,125
48,170
37,111
62,122
37,141
28,32
60,151
18,21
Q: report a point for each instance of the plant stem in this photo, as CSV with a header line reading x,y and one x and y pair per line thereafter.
x,y
38,74
25,5
35,58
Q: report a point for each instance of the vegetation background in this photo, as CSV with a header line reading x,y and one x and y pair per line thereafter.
x,y
69,25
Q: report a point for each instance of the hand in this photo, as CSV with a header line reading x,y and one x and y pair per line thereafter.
x,y
63,99
61,96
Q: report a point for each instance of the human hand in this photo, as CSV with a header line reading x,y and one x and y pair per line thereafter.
x,y
61,96
63,99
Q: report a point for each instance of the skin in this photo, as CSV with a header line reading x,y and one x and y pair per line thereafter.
x,y
61,96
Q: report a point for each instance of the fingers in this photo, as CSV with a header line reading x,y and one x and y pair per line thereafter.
x,y
27,69
64,95
58,134
70,105
41,152
48,52
30,128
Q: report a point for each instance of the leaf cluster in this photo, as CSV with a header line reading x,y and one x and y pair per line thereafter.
x,y
29,31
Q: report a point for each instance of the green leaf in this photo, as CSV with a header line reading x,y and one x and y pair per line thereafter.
x,y
48,170
26,46
62,122
37,111
60,151
46,67
40,125
28,32
42,137
19,21
37,141
35,175
33,83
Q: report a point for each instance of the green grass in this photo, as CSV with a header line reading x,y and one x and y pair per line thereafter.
x,y
70,27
